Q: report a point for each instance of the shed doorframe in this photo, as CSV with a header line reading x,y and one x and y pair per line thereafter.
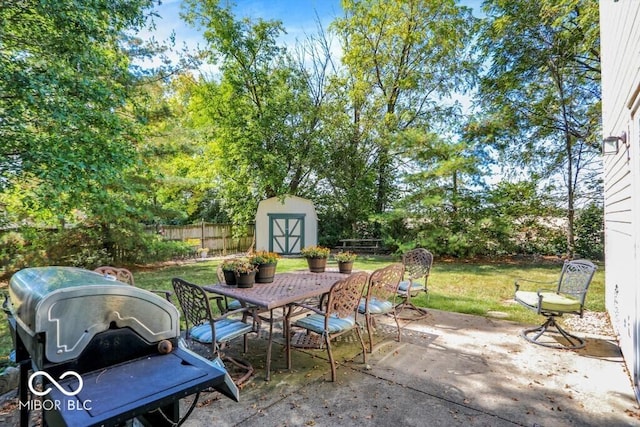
x,y
286,233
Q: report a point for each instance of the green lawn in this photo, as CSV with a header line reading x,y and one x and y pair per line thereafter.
x,y
459,286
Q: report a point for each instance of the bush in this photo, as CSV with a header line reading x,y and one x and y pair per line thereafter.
x,y
85,247
163,250
589,232
12,252
78,247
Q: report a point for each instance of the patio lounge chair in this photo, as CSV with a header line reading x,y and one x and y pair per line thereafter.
x,y
567,297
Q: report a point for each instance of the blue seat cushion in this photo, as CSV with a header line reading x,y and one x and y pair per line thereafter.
x,y
226,330
413,286
376,306
234,304
315,323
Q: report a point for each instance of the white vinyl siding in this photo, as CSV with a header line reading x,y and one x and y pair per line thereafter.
x,y
620,60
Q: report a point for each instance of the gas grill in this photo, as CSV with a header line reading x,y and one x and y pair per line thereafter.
x,y
106,352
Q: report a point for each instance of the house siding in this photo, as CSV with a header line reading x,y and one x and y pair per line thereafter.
x,y
620,61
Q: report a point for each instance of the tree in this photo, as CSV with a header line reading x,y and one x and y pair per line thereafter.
x,y
261,118
402,59
541,93
65,131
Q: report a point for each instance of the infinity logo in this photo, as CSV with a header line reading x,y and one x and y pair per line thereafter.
x,y
54,382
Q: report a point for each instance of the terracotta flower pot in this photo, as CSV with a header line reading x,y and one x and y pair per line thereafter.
x,y
266,272
317,265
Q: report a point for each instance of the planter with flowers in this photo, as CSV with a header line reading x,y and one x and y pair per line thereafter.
x,y
345,261
316,258
229,271
245,273
266,263
203,252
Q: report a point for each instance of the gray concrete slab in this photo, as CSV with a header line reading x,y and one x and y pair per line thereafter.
x,y
449,369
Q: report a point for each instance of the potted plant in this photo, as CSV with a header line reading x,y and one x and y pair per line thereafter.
x,y
345,261
267,263
203,252
316,257
245,272
229,271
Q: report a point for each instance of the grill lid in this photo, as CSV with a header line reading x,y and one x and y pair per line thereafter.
x,y
71,305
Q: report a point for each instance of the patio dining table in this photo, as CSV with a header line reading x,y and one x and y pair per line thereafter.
x,y
286,289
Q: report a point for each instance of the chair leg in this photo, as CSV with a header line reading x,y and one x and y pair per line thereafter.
x,y
406,304
364,351
327,341
242,364
395,317
575,342
369,321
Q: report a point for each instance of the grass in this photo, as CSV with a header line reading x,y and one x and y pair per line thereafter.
x,y
465,287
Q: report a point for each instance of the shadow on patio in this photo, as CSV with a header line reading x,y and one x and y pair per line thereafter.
x,y
449,369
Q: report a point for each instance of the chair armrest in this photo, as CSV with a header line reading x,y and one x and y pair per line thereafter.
x,y
218,299
517,283
309,307
541,290
251,310
167,294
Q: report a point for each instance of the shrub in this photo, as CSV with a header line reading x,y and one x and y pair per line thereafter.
x,y
589,232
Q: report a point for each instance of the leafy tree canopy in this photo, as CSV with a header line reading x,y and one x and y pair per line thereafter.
x,y
65,131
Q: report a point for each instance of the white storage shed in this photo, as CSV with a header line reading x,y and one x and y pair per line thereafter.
x,y
286,225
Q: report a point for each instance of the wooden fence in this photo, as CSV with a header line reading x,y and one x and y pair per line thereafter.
x,y
217,238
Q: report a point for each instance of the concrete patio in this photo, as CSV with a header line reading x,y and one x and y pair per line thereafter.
x,y
449,369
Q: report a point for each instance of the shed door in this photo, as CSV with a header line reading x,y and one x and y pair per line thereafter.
x,y
286,233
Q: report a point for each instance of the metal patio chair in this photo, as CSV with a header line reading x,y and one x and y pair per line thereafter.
x,y
338,316
380,298
417,266
125,276
204,328
567,297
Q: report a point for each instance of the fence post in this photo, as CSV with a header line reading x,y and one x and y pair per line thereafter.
x,y
224,242
202,234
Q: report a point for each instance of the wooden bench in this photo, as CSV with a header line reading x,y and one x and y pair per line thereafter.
x,y
360,245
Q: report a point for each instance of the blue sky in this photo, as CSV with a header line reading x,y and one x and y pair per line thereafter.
x,y
299,17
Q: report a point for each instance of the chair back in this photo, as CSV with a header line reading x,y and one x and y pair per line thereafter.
x,y
194,303
120,274
575,278
345,295
220,274
417,263
384,282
